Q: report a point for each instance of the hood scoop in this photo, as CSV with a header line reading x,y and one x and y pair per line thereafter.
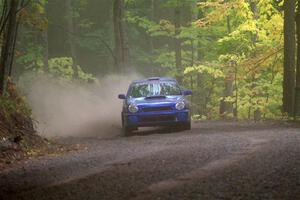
x,y
155,97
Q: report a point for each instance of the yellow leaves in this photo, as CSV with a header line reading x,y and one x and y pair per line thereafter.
x,y
267,24
228,99
253,63
220,9
230,59
211,70
274,27
249,26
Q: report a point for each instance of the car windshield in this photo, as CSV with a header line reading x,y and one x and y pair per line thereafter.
x,y
158,88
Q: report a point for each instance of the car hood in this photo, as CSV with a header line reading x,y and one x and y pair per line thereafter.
x,y
166,100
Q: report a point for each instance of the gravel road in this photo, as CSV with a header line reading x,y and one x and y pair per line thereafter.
x,y
215,160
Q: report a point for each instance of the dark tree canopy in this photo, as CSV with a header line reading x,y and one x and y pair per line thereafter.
x,y
237,56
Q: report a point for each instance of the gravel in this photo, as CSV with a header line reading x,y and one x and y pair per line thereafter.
x,y
215,160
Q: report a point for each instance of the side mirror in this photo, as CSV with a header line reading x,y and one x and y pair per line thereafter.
x,y
187,92
122,96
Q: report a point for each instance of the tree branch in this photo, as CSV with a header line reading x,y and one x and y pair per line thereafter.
x,y
91,36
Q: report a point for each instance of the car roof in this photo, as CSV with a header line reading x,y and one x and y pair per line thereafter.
x,y
154,79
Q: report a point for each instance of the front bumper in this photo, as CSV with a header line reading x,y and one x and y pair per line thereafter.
x,y
149,119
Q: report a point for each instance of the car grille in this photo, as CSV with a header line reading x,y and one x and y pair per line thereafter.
x,y
157,118
155,109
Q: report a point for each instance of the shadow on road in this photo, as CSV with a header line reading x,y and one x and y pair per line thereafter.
x,y
212,127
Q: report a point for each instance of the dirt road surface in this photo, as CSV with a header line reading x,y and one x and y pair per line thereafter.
x,y
215,160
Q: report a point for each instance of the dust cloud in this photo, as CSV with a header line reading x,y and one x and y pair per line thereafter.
x,y
84,110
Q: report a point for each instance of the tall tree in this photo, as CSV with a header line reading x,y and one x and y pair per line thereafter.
x,y
9,37
71,32
153,18
225,106
289,57
45,40
177,41
297,89
121,43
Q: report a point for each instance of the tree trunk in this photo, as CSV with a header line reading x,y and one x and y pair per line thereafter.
x,y
289,57
257,112
71,31
153,43
199,52
227,107
191,78
236,108
271,82
151,39
121,43
201,105
46,50
45,41
13,46
297,90
177,43
7,49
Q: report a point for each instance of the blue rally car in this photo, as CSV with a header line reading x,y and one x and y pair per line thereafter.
x,y
157,101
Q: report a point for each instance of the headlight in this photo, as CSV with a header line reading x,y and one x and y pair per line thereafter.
x,y
180,105
133,108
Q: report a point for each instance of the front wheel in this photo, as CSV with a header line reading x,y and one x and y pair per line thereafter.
x,y
186,126
126,130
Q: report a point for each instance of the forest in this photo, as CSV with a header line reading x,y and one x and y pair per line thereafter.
x,y
240,57
228,130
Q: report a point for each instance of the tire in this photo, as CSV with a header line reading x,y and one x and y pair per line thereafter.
x,y
185,126
188,126
126,130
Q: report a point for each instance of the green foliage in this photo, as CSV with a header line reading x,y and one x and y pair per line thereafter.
x,y
32,59
212,70
233,42
57,67
251,52
63,68
165,58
